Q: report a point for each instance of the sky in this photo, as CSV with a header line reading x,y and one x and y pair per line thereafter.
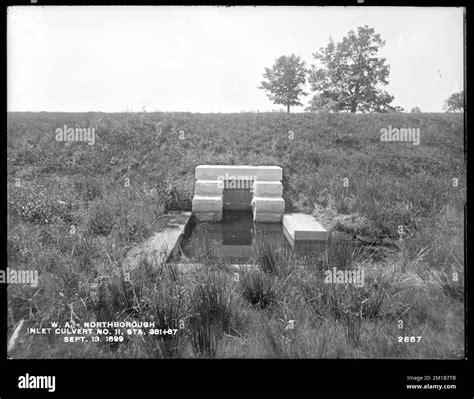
x,y
212,59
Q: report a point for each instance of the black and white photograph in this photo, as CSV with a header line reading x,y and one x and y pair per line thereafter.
x,y
236,182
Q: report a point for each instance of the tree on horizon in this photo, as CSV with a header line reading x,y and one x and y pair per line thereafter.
x,y
350,74
285,80
455,102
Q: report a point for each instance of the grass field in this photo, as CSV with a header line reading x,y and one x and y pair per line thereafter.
x,y
74,210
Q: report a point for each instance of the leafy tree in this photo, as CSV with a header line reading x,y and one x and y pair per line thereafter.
x,y
455,102
285,81
415,110
351,73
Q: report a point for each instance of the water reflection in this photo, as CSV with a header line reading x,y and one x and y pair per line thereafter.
x,y
233,239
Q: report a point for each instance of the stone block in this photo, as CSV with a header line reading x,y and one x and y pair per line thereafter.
x,y
268,205
267,189
214,172
208,188
267,217
302,227
207,204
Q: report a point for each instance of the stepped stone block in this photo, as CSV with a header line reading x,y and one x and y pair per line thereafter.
x,y
268,189
261,192
301,227
214,172
207,204
268,205
208,208
208,188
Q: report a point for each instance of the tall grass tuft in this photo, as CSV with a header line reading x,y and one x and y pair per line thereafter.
x,y
166,307
450,281
272,259
212,308
113,298
353,322
259,289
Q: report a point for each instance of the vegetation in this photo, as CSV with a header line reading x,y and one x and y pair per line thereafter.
x,y
455,102
285,81
349,74
75,210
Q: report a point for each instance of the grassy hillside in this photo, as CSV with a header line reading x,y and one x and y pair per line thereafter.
x,y
142,165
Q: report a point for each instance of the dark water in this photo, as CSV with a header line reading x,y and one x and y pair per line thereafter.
x,y
233,239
